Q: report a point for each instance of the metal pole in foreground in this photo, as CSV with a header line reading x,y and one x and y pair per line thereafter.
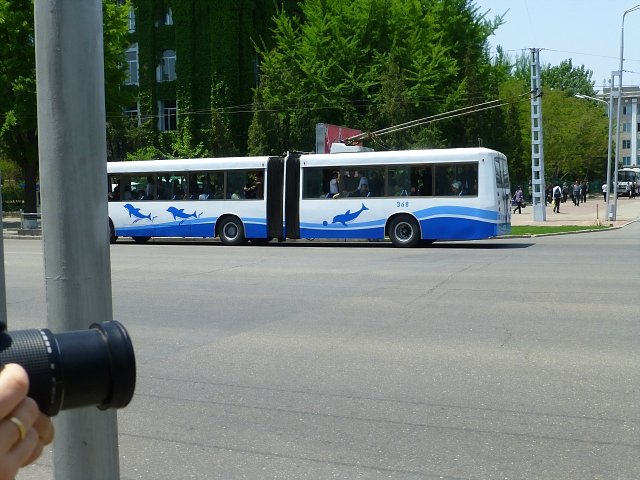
x,y
610,212
73,177
619,109
3,290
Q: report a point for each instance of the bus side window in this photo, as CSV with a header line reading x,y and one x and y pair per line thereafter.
x,y
315,182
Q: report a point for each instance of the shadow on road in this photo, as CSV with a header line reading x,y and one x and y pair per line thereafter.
x,y
468,245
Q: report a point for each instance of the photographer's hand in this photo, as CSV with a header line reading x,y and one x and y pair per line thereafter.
x,y
24,430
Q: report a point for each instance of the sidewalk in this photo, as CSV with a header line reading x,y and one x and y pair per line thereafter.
x,y
585,214
11,228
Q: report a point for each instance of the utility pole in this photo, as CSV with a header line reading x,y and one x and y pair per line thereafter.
x,y
73,178
611,206
537,145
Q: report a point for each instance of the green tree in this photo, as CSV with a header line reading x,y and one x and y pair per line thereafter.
x,y
575,131
566,77
575,137
369,63
18,122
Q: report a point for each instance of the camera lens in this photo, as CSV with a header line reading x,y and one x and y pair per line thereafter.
x,y
74,369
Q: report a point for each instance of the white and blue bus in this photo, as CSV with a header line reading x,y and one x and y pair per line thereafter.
x,y
409,196
628,179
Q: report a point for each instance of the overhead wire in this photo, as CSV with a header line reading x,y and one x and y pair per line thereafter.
x,y
439,117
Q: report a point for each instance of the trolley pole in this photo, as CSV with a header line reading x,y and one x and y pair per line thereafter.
x,y
73,178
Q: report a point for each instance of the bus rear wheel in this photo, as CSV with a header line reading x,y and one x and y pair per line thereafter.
x,y
112,233
231,231
404,231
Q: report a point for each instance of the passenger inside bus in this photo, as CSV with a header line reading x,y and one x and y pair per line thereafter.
x,y
219,193
255,189
362,191
178,193
149,190
456,188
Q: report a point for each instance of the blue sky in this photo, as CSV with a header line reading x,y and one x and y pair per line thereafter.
x,y
586,31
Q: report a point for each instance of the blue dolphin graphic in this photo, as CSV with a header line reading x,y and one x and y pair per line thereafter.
x,y
135,212
347,216
179,213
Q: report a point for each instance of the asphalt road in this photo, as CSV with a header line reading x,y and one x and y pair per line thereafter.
x,y
494,359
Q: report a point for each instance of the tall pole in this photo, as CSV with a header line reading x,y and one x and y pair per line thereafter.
x,y
609,105
618,124
72,149
611,215
537,144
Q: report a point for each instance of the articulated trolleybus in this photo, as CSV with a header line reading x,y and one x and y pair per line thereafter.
x,y
412,197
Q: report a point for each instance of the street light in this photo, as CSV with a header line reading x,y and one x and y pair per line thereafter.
x,y
618,124
610,114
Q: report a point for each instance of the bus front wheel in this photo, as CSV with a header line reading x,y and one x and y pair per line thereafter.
x,y
231,231
404,231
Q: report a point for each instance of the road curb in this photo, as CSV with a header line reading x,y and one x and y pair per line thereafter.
x,y
551,234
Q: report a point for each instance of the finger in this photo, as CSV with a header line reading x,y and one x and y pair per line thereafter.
x,y
26,414
14,385
44,428
23,451
36,451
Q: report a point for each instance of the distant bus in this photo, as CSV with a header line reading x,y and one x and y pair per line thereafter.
x,y
411,197
627,178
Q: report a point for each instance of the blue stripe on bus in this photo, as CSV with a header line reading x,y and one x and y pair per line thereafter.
x,y
452,228
457,211
200,227
439,228
442,222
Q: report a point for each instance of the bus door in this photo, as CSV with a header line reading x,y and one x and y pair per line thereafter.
x,y
292,195
275,189
503,196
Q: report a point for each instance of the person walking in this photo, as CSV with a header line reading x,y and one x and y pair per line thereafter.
x,y
585,188
518,198
557,197
577,193
565,192
604,191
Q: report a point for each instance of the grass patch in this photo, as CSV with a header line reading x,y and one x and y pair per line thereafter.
x,y
542,229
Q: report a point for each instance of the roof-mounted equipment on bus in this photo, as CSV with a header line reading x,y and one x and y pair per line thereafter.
x,y
342,148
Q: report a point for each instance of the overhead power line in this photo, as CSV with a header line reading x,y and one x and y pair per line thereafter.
x,y
437,118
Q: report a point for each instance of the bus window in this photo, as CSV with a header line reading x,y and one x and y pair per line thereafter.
x,y
457,179
163,186
178,187
201,186
217,185
315,182
243,184
399,181
421,181
142,187
113,186
377,178
254,187
361,182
